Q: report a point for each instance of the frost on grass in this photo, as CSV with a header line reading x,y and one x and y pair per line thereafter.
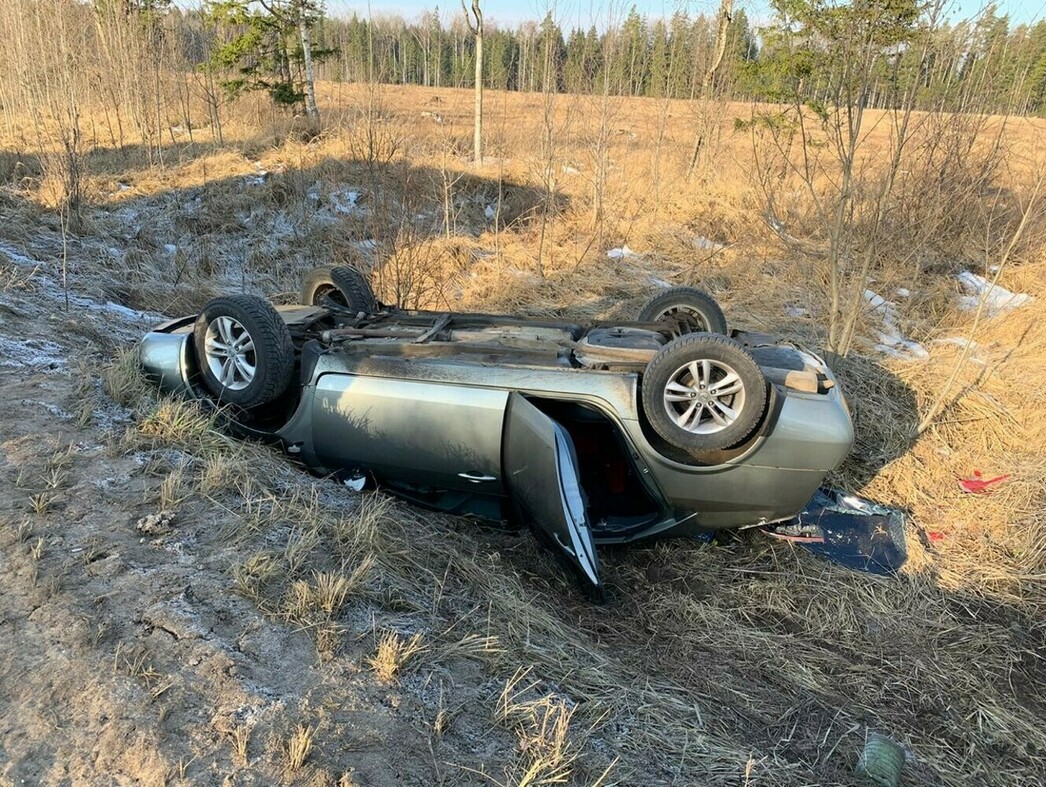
x,y
890,340
997,299
35,354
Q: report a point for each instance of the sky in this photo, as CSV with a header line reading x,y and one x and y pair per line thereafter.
x,y
584,13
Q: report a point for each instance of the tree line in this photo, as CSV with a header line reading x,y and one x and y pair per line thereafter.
x,y
668,57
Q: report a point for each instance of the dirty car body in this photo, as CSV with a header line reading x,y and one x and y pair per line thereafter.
x,y
529,420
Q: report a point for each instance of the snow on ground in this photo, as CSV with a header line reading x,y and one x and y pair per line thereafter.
x,y
962,341
890,340
997,299
702,242
621,253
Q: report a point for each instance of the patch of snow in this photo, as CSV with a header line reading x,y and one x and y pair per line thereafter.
x,y
797,311
436,116
891,340
903,292
660,282
256,179
997,299
121,186
344,201
368,245
962,341
705,243
489,212
622,253
170,248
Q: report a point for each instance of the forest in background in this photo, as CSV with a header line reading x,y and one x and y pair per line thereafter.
x,y
220,48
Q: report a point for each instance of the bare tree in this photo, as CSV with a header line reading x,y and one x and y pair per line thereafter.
x,y
305,31
475,25
726,11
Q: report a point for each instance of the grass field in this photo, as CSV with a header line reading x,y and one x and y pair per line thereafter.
x,y
330,636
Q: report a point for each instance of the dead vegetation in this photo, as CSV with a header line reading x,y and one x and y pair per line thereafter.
x,y
739,662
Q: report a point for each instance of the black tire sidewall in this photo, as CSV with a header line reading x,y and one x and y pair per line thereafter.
x,y
316,281
698,346
692,298
273,350
354,287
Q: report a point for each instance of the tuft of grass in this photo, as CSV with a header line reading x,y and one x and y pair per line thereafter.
x,y
122,379
298,747
393,654
181,423
255,575
42,502
547,752
241,738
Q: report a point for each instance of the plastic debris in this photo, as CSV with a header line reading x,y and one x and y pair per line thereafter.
x,y
848,530
881,761
979,485
356,483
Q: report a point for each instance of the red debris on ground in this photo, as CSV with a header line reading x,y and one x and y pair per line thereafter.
x,y
978,485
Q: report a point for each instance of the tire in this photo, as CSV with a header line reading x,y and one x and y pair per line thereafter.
x,y
345,286
695,310
263,346
678,397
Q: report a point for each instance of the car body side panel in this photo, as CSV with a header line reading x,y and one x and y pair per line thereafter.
x,y
441,434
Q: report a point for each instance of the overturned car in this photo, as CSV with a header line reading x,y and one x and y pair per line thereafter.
x,y
606,432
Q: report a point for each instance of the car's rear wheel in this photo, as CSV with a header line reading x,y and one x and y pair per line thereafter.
x,y
342,285
704,392
244,350
692,310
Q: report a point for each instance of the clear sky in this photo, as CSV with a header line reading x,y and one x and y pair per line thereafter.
x,y
583,13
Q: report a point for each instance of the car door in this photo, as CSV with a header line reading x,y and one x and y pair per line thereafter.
x,y
540,470
429,435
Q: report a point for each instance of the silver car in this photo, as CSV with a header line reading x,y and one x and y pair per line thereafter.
x,y
607,432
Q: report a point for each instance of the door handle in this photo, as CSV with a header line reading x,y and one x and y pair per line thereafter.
x,y
477,478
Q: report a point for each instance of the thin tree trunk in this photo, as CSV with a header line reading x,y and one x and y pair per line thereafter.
x,y
475,25
310,76
477,141
726,11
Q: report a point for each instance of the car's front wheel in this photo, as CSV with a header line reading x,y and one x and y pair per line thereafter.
x,y
703,392
244,350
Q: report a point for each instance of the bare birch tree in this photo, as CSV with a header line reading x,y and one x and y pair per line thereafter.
x,y
475,25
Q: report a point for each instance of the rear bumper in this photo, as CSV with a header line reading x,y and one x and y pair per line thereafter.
x,y
165,356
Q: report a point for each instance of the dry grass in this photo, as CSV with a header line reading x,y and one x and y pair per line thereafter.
x,y
736,663
393,653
